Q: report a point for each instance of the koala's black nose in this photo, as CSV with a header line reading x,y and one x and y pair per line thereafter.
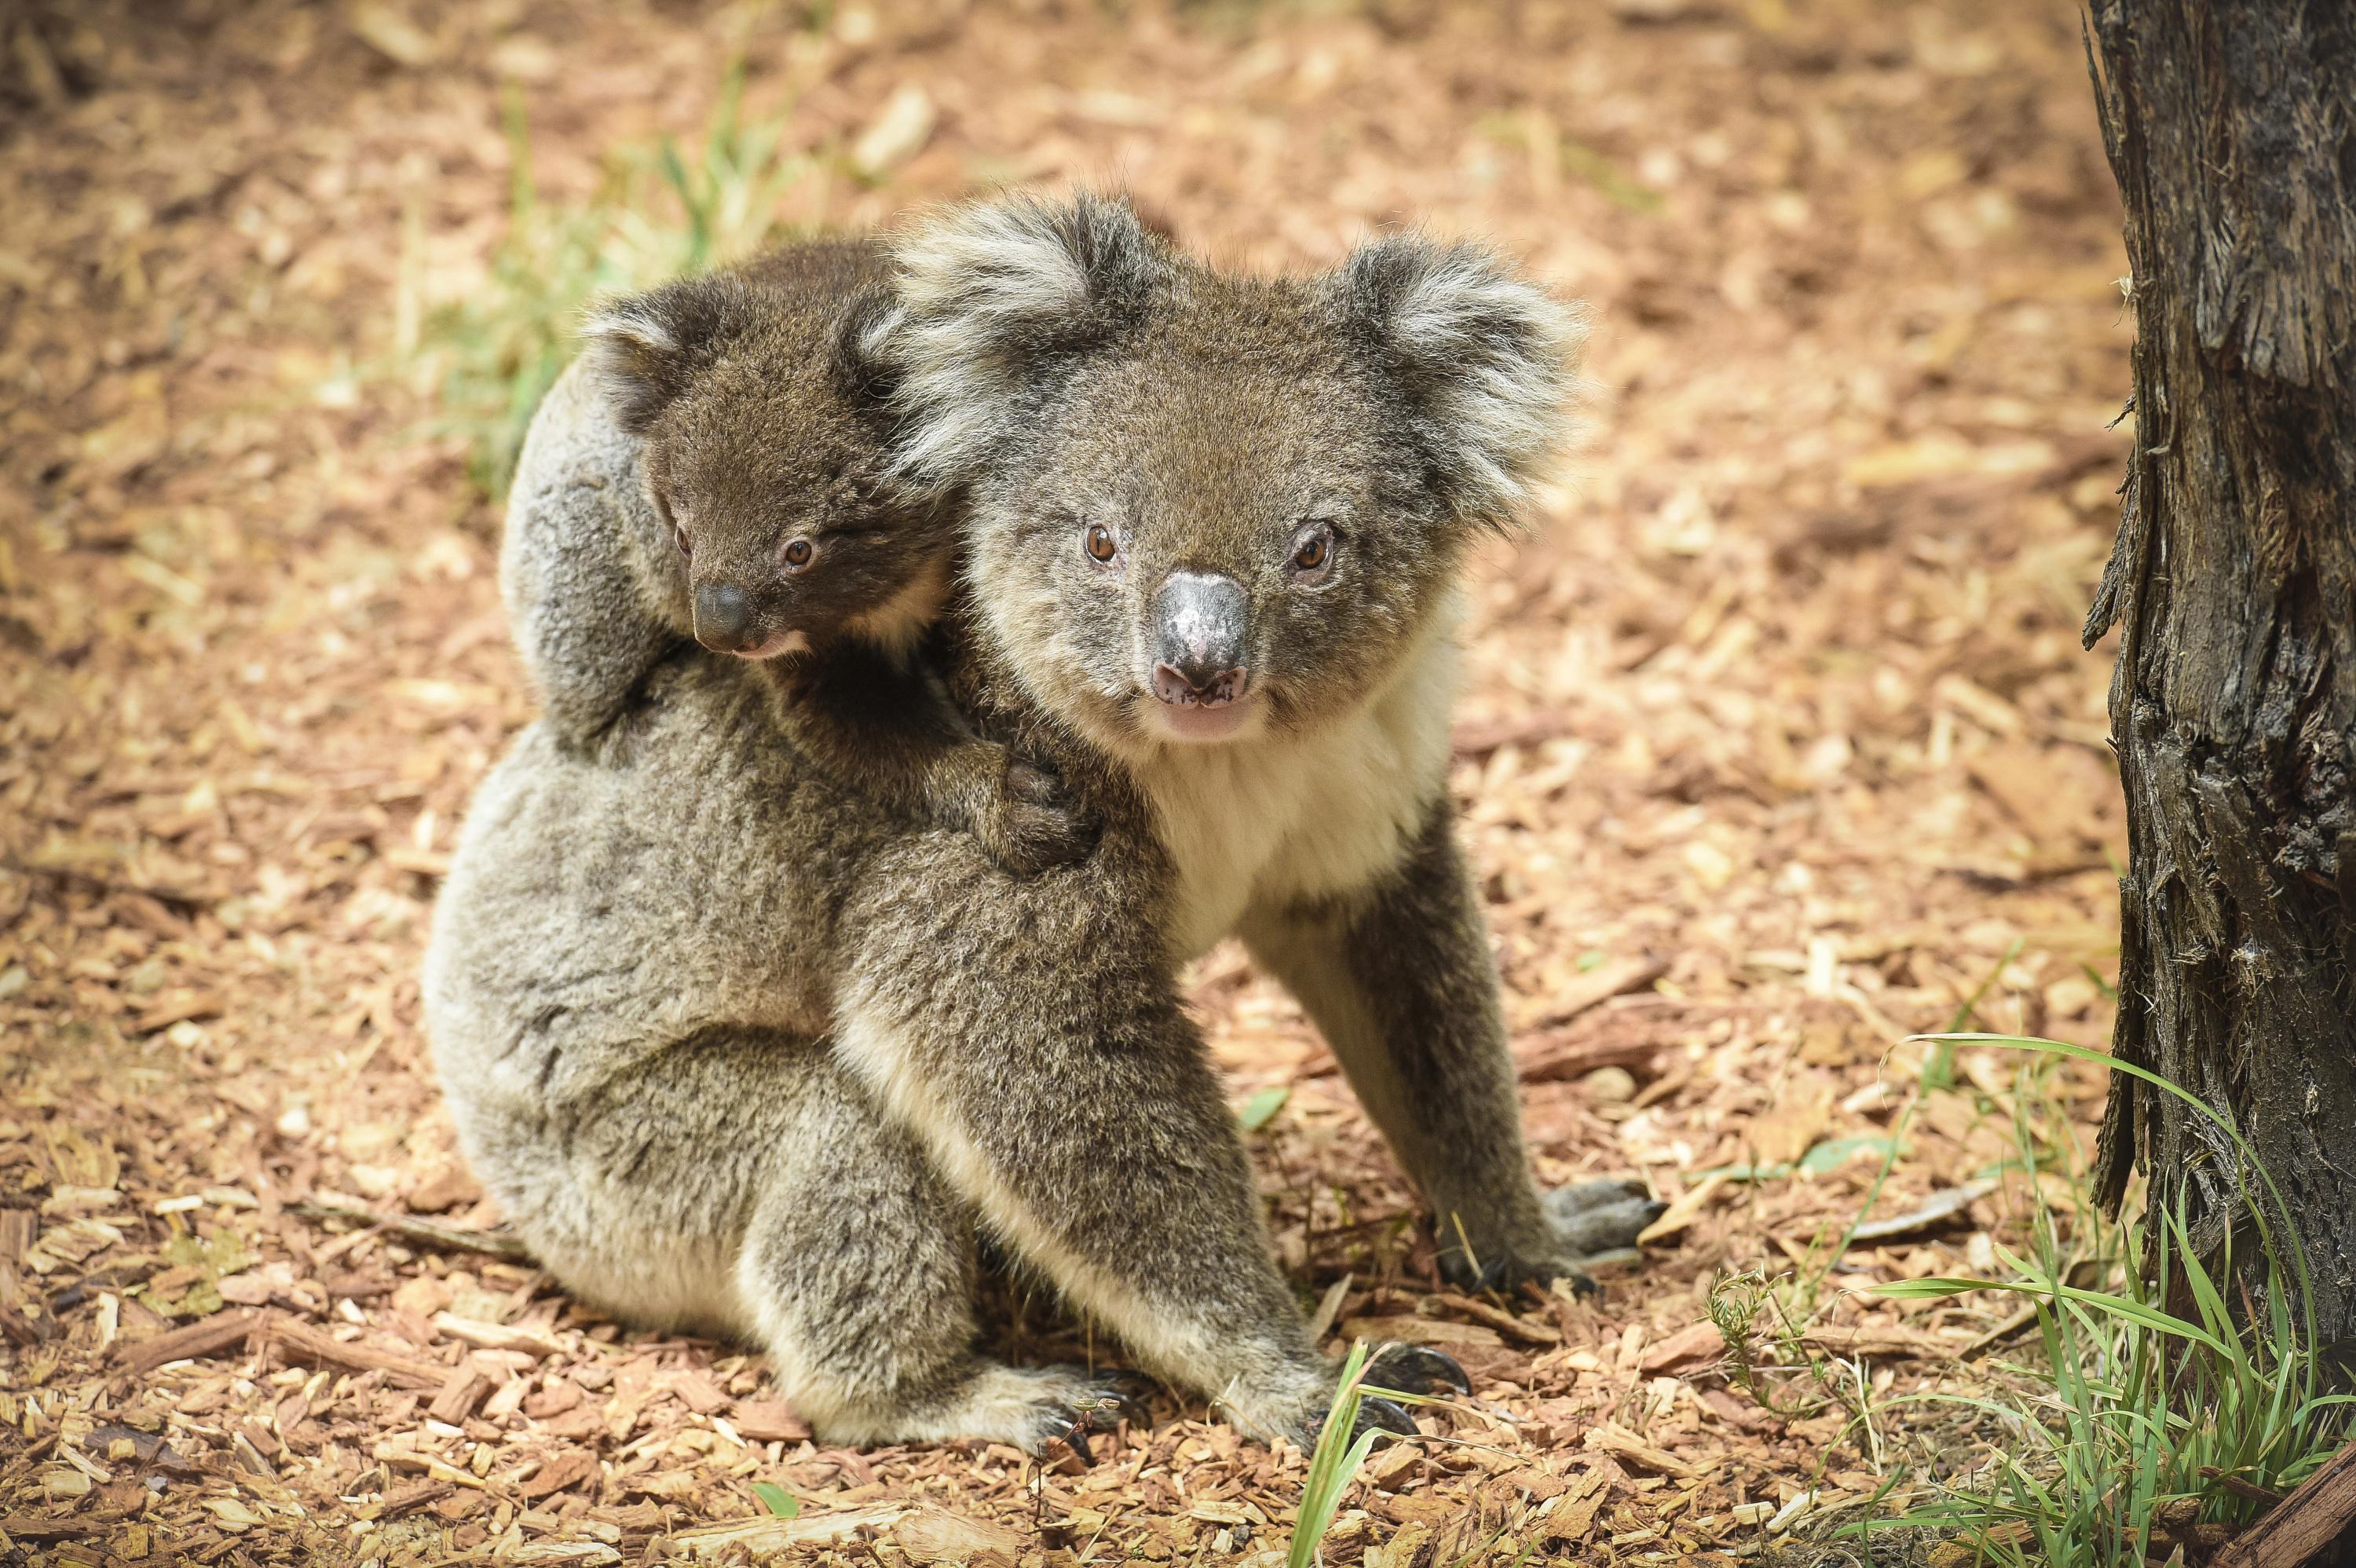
x,y
723,617
1199,620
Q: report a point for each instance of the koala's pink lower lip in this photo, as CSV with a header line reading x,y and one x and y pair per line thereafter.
x,y
1187,722
783,642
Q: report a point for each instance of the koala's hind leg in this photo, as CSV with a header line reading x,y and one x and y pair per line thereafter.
x,y
1401,982
858,1270
632,1190
740,1183
1029,1034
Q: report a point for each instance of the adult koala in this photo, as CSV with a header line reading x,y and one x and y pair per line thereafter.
x,y
735,1048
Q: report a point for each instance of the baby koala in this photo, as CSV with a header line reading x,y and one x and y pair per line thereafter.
x,y
769,529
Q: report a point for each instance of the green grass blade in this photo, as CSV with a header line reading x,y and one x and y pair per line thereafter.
x,y
2282,1206
1334,1464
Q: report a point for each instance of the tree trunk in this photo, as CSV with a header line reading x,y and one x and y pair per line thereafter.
x,y
2231,125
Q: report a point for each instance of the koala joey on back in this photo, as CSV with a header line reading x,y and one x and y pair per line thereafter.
x,y
1213,530
764,522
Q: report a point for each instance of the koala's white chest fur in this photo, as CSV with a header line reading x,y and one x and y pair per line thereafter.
x,y
1276,819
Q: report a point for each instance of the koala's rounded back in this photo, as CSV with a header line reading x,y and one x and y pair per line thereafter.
x,y
679,875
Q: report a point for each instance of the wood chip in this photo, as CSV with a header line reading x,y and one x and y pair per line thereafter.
x,y
1686,1347
768,1421
409,1498
300,1342
1329,1306
1874,1341
2304,1524
1612,977
180,1007
1684,1212
459,1396
1624,1445
1939,1208
755,1537
1405,1330
932,1535
570,1467
1527,1330
209,1337
59,1527
534,1342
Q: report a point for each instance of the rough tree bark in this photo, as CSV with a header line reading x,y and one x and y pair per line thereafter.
x,y
2231,125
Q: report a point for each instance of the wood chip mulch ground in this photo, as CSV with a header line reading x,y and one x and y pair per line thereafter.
x,y
1777,745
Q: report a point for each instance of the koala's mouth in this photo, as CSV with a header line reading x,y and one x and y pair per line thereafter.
x,y
776,643
1196,723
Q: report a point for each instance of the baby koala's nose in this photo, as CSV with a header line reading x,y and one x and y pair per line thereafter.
x,y
723,617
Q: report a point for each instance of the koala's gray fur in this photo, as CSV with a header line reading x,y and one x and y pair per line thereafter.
x,y
734,1046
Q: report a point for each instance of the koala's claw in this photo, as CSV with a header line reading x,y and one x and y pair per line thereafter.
x,y
1118,1396
1383,1415
1374,1414
1397,1368
1075,1432
1502,1275
1591,1220
1412,1369
1128,1392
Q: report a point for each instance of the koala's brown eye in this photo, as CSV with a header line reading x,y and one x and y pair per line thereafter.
x,y
678,537
1312,555
798,554
1102,546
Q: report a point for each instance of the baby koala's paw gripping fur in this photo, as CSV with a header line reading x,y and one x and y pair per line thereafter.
x,y
1028,822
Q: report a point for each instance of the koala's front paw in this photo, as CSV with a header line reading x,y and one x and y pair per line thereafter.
x,y
1033,824
1583,1222
1502,1271
1033,1408
1098,1403
1401,1369
1598,1217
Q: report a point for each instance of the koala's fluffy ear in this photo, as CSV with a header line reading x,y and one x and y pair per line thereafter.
x,y
647,347
863,368
990,296
1486,362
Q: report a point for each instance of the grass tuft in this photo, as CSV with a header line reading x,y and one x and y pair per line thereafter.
x,y
1334,1464
2145,1427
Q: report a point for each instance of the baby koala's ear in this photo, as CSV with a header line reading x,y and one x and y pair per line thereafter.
x,y
865,371
991,297
1485,363
646,350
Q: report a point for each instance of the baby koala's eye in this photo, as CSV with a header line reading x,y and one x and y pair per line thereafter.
x,y
678,537
1313,554
1102,546
799,553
